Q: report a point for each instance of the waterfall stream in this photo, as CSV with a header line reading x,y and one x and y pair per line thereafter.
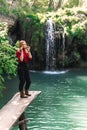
x,y
63,37
53,33
50,46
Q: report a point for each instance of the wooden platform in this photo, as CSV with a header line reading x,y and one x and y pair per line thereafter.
x,y
11,112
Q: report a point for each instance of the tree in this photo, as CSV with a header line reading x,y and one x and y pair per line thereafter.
x,y
55,4
50,3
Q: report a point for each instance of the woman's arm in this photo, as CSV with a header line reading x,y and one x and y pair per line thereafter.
x,y
21,56
29,52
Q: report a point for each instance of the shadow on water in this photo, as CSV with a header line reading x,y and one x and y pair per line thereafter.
x,y
62,105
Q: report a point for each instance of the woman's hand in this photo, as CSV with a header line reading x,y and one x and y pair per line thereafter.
x,y
29,53
28,48
21,48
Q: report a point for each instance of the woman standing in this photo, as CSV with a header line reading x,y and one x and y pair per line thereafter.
x,y
24,56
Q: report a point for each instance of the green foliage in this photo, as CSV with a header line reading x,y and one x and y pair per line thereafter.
x,y
40,6
68,30
4,8
50,9
8,60
73,59
78,32
34,18
69,12
72,3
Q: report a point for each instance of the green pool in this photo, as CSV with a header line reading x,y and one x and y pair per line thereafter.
x,y
62,105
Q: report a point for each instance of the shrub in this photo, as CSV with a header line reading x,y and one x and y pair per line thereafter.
x,y
8,60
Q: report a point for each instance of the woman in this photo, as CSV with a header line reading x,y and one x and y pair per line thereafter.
x,y
24,56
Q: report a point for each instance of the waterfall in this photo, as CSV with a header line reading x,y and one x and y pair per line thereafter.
x,y
50,46
63,42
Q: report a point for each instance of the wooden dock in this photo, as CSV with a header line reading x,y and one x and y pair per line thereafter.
x,y
11,112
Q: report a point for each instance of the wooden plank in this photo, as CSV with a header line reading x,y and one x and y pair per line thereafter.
x,y
10,113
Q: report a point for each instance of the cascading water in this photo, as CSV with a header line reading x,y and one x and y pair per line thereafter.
x,y
63,37
50,46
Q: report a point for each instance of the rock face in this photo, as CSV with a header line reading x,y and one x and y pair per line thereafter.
x,y
9,20
14,32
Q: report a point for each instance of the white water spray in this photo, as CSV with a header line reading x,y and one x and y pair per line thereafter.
x,y
50,46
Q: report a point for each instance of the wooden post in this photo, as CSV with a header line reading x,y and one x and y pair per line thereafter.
x,y
22,126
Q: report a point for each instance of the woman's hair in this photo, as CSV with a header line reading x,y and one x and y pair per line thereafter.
x,y
21,43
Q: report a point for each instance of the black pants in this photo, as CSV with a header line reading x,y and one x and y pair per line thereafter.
x,y
24,77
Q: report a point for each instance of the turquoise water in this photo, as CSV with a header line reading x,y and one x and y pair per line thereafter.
x,y
62,105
